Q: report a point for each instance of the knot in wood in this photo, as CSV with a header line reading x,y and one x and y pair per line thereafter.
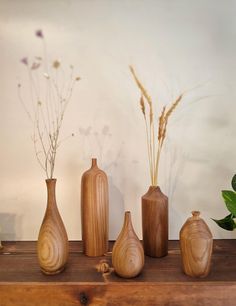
x,y
83,298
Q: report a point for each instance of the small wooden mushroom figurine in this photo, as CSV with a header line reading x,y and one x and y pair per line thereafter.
x,y
196,246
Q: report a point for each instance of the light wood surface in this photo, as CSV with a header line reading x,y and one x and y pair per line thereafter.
x,y
94,211
196,246
52,243
127,253
161,282
155,222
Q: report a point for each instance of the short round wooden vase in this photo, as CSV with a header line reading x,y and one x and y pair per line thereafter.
x,y
52,245
127,253
155,222
196,244
94,211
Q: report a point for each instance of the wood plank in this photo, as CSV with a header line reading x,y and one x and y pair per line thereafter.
x,y
117,294
162,281
21,266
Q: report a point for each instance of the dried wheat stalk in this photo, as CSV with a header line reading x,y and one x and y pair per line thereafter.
x,y
154,143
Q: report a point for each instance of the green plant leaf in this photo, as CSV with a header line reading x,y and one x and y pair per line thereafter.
x,y
227,223
233,182
230,200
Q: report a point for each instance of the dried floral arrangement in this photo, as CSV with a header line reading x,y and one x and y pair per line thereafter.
x,y
155,134
50,91
228,223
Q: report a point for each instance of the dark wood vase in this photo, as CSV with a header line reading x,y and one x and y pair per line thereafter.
x,y
52,245
94,211
155,222
196,244
127,253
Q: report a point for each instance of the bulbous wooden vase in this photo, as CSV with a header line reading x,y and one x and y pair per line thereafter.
x,y
52,245
127,253
155,222
196,246
94,211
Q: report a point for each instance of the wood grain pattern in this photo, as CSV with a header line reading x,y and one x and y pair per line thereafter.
x,y
155,222
117,294
161,282
52,246
127,253
94,211
196,246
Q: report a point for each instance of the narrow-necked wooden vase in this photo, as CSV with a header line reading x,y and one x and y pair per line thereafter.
x,y
52,245
196,246
127,253
94,211
155,222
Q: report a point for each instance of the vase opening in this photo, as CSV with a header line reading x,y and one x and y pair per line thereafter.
x,y
196,214
50,179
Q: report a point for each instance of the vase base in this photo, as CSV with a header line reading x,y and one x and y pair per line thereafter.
x,y
96,254
52,272
155,256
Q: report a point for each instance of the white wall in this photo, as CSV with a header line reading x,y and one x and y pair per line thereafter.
x,y
174,46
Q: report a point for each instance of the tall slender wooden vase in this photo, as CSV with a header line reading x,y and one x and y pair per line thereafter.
x,y
127,253
155,222
196,244
94,211
52,246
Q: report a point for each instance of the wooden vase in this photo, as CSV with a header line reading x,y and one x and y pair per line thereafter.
x,y
196,246
52,245
94,211
155,222
127,253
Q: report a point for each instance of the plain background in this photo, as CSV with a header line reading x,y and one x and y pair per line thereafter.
x,y
174,45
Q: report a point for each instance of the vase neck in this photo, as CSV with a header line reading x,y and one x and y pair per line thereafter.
x,y
51,188
196,215
152,188
94,162
127,220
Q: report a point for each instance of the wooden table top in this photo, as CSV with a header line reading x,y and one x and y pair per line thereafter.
x,y
161,281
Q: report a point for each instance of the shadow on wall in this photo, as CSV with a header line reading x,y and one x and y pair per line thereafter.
x,y
8,226
116,210
101,144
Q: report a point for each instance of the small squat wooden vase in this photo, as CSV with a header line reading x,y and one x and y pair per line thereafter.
x,y
127,253
52,245
94,211
196,246
155,222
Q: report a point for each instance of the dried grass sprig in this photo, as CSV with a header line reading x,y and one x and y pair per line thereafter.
x,y
149,123
161,124
142,104
50,93
154,143
143,92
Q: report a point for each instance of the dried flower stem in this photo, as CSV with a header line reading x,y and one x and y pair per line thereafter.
x,y
154,144
47,109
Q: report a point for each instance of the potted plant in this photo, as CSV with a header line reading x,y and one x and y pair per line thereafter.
x,y
229,196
